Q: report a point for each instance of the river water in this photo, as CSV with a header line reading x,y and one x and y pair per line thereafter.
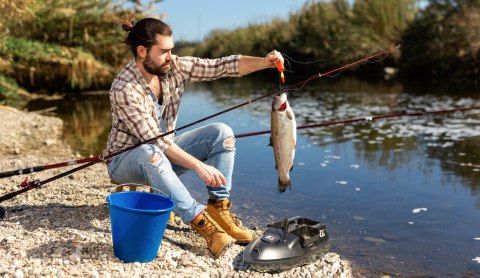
x,y
399,196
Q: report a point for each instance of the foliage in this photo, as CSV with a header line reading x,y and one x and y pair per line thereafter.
x,y
10,93
36,63
444,41
14,10
72,44
65,44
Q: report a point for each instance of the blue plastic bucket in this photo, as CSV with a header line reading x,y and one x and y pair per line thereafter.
x,y
138,222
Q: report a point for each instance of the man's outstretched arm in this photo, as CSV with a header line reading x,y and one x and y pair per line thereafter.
x,y
249,64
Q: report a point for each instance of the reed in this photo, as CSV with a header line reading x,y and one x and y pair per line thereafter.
x,y
66,45
39,64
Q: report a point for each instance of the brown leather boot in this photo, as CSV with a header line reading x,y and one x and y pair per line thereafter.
x,y
219,211
217,240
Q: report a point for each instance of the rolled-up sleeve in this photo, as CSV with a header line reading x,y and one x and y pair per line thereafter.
x,y
195,69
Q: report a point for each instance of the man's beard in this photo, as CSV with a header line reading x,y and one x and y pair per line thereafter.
x,y
150,67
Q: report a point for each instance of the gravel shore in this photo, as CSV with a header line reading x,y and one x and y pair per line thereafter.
x,y
63,228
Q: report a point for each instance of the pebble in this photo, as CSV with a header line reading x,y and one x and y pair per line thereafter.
x,y
18,273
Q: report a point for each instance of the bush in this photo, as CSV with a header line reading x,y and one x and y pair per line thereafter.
x,y
443,41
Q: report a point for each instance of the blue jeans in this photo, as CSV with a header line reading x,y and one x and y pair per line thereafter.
x,y
206,143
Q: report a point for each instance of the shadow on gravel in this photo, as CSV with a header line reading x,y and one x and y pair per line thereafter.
x,y
64,248
59,216
183,245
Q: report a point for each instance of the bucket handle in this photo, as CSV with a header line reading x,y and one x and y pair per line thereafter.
x,y
134,186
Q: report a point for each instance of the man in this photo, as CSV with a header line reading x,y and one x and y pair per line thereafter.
x,y
145,98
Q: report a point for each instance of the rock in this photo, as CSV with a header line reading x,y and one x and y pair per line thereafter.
x,y
49,142
74,257
18,273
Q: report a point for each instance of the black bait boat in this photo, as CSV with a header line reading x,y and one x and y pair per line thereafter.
x,y
287,244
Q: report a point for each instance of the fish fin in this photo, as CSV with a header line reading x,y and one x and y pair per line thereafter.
x,y
289,114
282,186
271,142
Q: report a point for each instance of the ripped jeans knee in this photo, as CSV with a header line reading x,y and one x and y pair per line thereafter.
x,y
154,155
229,143
155,159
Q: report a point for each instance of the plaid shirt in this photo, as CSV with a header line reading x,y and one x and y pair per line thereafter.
x,y
134,117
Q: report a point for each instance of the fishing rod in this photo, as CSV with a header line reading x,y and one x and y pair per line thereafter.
x,y
280,68
366,119
33,169
27,185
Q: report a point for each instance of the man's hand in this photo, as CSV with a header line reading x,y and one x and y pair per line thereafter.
x,y
272,58
210,175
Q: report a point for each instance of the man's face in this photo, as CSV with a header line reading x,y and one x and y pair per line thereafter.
x,y
159,57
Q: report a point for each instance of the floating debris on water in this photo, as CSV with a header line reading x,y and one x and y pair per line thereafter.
x,y
341,182
447,144
477,259
375,240
410,222
417,210
301,163
336,157
355,166
358,218
357,188
476,238
323,164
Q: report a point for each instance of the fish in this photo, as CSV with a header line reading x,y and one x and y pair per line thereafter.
x,y
283,139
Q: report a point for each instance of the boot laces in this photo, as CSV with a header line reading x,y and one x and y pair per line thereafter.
x,y
228,216
210,226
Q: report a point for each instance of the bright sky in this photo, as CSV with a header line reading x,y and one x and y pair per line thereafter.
x,y
194,19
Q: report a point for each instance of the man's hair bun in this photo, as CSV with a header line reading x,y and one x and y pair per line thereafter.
x,y
127,25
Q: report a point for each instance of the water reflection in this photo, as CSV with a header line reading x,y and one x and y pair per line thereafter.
x,y
385,143
87,120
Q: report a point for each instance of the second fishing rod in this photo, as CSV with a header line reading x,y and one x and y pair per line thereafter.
x,y
28,185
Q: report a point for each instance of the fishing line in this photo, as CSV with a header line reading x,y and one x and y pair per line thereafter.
x,y
290,60
301,84
27,185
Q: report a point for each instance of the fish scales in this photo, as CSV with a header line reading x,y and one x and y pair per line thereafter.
x,y
283,140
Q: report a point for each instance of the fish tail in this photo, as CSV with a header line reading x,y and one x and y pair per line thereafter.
x,y
282,186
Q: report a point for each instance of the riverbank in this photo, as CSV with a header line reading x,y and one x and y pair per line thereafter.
x,y
63,228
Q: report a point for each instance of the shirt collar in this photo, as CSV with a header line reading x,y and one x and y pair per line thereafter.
x,y
138,76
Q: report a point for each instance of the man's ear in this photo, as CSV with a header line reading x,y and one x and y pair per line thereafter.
x,y
141,51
